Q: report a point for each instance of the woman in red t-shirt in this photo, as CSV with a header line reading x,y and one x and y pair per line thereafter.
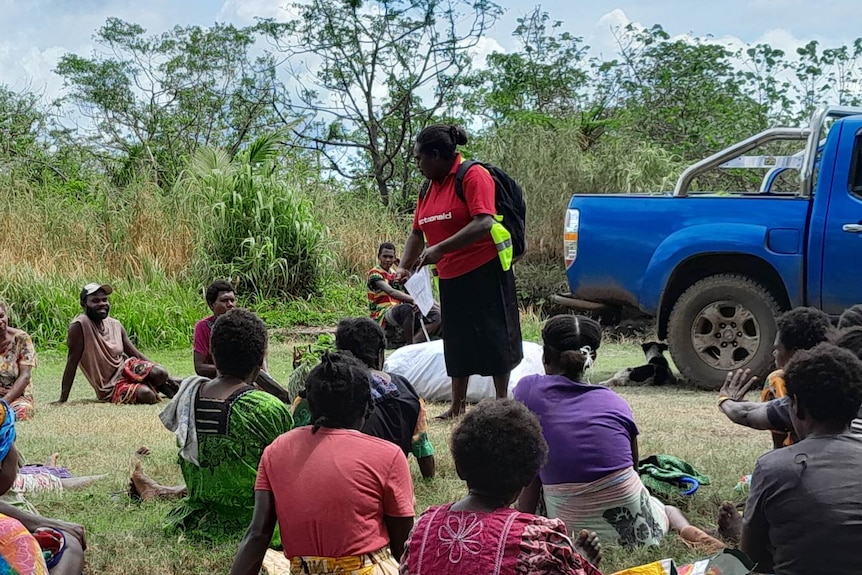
x,y
477,298
343,500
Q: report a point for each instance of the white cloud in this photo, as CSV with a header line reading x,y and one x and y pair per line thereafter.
x,y
484,47
245,11
607,32
782,40
38,66
35,34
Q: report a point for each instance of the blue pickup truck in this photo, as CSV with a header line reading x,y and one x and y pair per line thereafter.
x,y
714,269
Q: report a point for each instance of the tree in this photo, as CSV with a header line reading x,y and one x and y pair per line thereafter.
x,y
545,77
763,77
382,70
548,81
32,146
23,122
830,76
684,94
155,99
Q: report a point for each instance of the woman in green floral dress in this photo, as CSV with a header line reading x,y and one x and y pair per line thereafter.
x,y
222,427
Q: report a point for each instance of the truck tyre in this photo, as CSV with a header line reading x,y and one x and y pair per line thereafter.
x,y
719,324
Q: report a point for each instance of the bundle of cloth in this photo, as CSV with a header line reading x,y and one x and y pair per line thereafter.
x,y
424,366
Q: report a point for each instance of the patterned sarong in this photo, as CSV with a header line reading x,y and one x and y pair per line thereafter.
x,y
618,507
775,388
380,562
135,371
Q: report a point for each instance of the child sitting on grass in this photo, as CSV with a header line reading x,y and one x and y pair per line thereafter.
x,y
498,449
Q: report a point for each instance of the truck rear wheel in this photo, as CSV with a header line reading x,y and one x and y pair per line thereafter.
x,y
719,324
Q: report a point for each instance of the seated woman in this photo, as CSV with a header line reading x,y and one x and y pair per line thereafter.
x,y
498,449
398,413
590,481
222,427
52,546
343,499
17,359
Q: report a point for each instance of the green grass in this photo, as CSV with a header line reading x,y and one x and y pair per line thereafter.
x,y
158,311
126,537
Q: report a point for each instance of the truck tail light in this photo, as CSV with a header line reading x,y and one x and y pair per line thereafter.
x,y
570,235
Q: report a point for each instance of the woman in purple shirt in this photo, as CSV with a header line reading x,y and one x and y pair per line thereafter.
x,y
590,480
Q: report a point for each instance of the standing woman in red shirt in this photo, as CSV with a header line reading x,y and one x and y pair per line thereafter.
x,y
477,298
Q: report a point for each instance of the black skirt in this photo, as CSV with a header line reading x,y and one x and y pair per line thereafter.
x,y
481,325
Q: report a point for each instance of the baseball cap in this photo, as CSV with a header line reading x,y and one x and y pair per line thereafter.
x,y
92,288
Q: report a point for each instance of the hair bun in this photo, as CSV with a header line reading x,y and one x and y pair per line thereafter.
x,y
458,134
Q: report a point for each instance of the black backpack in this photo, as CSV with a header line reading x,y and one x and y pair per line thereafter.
x,y
508,200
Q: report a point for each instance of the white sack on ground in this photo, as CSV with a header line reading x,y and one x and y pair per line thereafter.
x,y
423,366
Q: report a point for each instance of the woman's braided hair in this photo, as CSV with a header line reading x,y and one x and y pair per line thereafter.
x,y
568,342
442,138
363,338
338,391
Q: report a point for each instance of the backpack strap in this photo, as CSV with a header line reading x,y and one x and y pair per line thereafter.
x,y
423,191
459,178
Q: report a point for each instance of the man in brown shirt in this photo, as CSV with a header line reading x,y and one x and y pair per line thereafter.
x,y
99,345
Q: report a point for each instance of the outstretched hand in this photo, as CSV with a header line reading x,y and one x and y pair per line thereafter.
x,y
737,384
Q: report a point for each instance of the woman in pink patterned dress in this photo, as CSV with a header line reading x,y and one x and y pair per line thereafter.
x,y
498,449
17,359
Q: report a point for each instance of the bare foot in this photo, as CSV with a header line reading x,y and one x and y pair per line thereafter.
x,y
729,522
52,461
697,538
140,486
449,414
144,488
143,451
587,544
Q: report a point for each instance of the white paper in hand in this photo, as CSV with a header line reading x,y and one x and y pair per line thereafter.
x,y
419,286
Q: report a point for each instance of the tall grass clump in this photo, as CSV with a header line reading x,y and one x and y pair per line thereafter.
x,y
550,165
256,227
357,225
92,229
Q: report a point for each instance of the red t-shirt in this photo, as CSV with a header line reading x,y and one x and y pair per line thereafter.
x,y
441,214
332,489
203,332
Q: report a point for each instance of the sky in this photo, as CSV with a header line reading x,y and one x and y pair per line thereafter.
x,y
35,33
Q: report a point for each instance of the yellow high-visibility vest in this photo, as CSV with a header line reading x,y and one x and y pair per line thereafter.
x,y
503,241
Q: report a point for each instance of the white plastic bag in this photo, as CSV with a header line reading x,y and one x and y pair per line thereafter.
x,y
423,366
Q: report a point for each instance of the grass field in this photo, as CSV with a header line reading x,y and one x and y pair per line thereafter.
x,y
126,538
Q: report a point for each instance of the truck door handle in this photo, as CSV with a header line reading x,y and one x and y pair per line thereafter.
x,y
852,228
